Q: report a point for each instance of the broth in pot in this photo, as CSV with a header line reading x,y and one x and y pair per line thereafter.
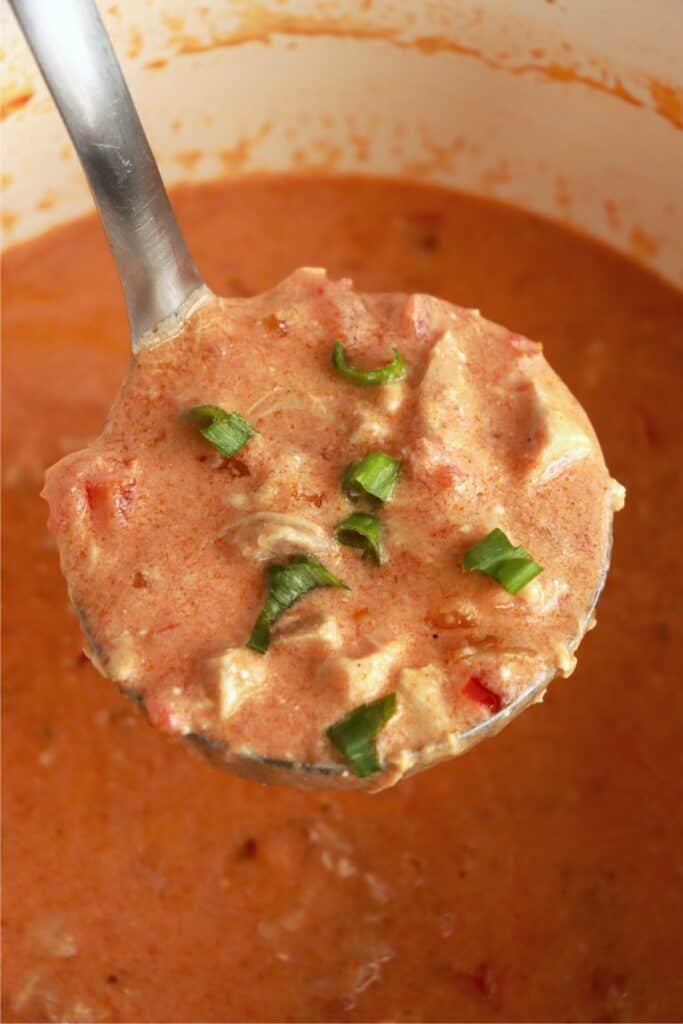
x,y
538,877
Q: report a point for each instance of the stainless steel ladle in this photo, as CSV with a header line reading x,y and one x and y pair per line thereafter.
x,y
78,63
160,281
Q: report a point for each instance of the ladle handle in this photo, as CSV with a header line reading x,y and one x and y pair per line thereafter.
x,y
79,65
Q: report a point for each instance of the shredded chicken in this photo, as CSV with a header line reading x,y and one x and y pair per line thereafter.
x,y
425,713
560,439
267,535
282,399
232,678
363,678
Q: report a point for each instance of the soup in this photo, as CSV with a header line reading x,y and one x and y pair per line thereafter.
x,y
164,526
538,877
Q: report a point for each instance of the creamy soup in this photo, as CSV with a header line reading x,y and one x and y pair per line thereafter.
x,y
379,498
538,876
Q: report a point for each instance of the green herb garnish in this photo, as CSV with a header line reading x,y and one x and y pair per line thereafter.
x,y
226,431
355,735
363,531
389,374
287,583
494,555
376,475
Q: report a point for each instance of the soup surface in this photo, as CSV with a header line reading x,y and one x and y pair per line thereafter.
x,y
538,877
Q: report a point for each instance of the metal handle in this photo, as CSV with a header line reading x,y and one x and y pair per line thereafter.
x,y
79,65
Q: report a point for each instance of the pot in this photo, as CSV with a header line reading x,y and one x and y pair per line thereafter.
x,y
573,111
535,878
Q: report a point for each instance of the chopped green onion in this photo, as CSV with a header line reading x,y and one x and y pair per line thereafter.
x,y
389,374
376,475
363,531
494,555
355,734
287,583
227,431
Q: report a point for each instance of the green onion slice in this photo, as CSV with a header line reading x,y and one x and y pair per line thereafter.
x,y
376,475
363,531
388,374
227,431
287,583
355,735
494,555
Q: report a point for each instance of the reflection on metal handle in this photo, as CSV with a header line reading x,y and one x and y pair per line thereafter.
x,y
80,67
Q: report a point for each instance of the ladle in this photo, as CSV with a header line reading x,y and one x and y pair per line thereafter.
x,y
160,281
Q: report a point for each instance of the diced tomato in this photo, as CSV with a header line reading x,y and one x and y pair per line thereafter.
x,y
95,494
315,499
273,323
475,690
235,467
110,499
